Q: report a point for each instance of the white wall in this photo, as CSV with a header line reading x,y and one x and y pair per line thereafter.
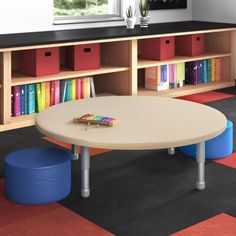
x,y
214,10
37,15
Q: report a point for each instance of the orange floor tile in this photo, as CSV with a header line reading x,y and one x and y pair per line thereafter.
x,y
220,225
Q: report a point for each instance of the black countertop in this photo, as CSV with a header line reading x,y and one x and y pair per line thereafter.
x,y
63,36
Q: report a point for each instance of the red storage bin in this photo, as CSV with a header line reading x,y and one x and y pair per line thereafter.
x,y
158,48
83,57
190,45
40,62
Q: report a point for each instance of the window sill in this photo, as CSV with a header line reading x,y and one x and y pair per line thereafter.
x,y
76,20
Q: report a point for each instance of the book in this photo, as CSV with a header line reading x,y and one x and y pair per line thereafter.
x,y
78,88
22,99
63,86
68,95
52,93
16,96
213,69
31,99
47,94
200,67
92,87
217,69
43,95
73,89
57,91
39,101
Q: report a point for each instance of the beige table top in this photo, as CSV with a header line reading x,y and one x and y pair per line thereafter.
x,y
145,122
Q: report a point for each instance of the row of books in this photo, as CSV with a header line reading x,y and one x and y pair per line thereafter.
x,y
31,98
165,77
203,71
177,75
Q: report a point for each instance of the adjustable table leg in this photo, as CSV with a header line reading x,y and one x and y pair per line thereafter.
x,y
74,152
200,185
85,165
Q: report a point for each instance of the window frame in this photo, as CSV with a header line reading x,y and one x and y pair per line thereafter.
x,y
61,20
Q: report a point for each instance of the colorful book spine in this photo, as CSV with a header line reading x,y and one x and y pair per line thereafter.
x,y
43,95
31,99
73,90
78,88
47,94
68,91
39,98
200,78
205,71
63,86
57,91
22,99
16,95
92,88
217,69
213,69
209,70
88,88
52,93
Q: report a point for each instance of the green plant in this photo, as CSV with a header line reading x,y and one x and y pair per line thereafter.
x,y
144,7
130,12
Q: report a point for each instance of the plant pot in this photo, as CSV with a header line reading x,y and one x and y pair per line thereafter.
x,y
130,22
144,21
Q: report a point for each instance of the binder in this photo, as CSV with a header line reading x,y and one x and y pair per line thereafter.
x,y
43,95
68,95
200,65
39,98
52,93
213,69
56,91
205,71
47,94
16,98
217,69
63,86
88,88
31,98
73,89
209,70
92,87
22,99
78,88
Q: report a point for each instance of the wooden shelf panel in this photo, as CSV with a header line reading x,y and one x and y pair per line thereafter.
x,y
143,63
18,79
187,90
19,122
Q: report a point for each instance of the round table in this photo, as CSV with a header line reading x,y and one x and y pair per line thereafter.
x,y
145,122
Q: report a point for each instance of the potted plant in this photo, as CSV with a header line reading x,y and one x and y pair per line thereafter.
x,y
130,17
144,12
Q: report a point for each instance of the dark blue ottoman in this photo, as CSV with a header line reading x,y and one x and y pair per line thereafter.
x,y
37,175
218,147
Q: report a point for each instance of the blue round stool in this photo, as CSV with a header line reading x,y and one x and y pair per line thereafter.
x,y
218,147
37,175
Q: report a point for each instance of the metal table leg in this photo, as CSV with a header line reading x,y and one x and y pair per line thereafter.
x,y
200,185
85,165
171,151
74,152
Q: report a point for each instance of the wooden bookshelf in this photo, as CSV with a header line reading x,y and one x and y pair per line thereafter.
x,y
120,66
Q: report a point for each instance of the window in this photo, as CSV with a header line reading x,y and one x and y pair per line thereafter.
x,y
74,11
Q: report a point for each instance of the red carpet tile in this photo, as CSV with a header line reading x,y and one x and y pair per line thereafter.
x,y
220,225
228,161
94,151
205,97
50,219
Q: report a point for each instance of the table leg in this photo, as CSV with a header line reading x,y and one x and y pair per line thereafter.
x,y
200,185
171,151
85,165
74,152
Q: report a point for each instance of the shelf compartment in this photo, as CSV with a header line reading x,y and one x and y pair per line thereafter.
x,y
187,89
143,63
19,79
